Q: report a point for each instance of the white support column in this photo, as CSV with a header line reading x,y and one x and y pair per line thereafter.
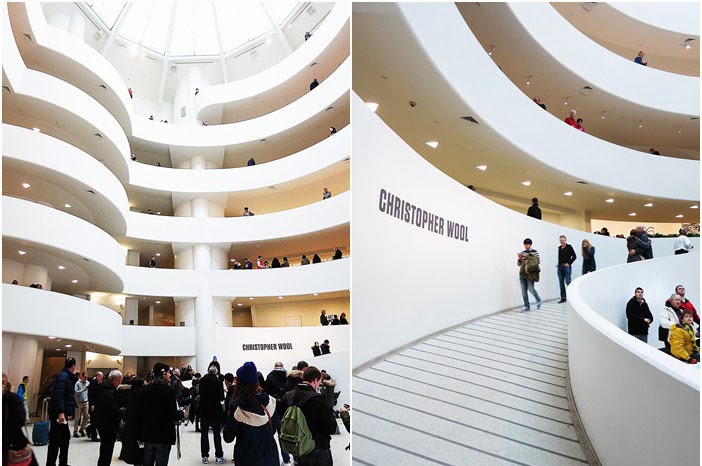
x,y
205,335
131,311
34,274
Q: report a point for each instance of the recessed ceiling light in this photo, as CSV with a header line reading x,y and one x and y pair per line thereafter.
x,y
609,200
694,207
432,144
372,105
158,302
239,304
158,213
26,185
68,346
568,193
61,267
280,297
315,294
650,204
232,260
68,206
58,349
482,167
632,214
158,254
526,183
679,216
641,124
74,281
21,253
250,299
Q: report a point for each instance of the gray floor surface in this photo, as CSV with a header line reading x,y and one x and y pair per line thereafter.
x,y
491,392
82,452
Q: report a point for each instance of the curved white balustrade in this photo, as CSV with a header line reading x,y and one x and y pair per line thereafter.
x,y
31,311
70,59
38,153
157,341
680,17
316,278
299,221
646,394
329,40
436,25
418,280
335,88
42,97
289,168
67,236
613,74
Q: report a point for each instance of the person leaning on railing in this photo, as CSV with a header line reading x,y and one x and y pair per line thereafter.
x,y
682,340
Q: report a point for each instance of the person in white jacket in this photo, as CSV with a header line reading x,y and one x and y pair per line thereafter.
x,y
670,315
682,244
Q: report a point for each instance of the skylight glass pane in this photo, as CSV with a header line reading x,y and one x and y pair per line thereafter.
x,y
146,23
280,9
240,22
107,10
194,31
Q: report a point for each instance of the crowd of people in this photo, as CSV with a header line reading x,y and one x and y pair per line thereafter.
x,y
275,263
324,319
678,321
146,414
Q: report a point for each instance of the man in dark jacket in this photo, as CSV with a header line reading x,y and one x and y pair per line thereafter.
x,y
320,418
534,210
566,257
275,381
92,396
638,316
107,416
159,417
210,407
61,407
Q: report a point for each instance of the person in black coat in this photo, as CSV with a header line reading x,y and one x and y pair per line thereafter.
x,y
316,350
638,316
13,418
61,407
131,453
326,349
316,259
160,414
337,254
211,396
534,210
275,381
107,416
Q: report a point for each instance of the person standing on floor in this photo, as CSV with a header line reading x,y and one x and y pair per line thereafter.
x,y
81,418
210,406
534,210
528,261
61,407
682,244
588,257
108,415
638,315
566,257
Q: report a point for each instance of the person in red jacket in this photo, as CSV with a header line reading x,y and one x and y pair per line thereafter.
x,y
571,119
686,304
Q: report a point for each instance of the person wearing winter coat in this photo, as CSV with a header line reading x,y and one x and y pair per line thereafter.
x,y
529,269
131,453
638,315
682,340
252,421
669,316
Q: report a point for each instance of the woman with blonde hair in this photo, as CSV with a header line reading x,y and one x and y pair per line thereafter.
x,y
588,257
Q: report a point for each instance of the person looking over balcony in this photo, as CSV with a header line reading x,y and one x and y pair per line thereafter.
x,y
537,101
588,257
668,317
247,212
639,59
534,210
682,340
326,194
316,259
314,84
579,125
304,260
152,262
571,119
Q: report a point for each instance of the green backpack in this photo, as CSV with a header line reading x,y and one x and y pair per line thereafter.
x,y
295,436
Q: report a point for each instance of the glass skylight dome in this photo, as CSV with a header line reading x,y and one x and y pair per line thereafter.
x,y
187,28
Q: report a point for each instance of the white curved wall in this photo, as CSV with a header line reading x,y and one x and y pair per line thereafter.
x,y
415,281
315,278
209,101
299,221
680,17
157,341
298,112
613,74
51,154
437,25
31,311
65,56
292,167
648,394
27,221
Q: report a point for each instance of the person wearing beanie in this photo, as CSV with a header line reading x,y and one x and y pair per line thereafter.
x,y
159,417
251,419
211,396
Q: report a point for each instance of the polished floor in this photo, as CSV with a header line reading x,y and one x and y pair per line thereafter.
x,y
82,452
490,392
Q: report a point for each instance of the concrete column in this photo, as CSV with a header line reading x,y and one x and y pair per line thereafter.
x,y
223,312
198,162
205,336
254,316
131,311
185,312
133,258
22,355
77,26
202,257
151,315
34,274
200,208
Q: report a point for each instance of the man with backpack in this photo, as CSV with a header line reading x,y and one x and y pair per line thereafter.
x,y
308,423
61,407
